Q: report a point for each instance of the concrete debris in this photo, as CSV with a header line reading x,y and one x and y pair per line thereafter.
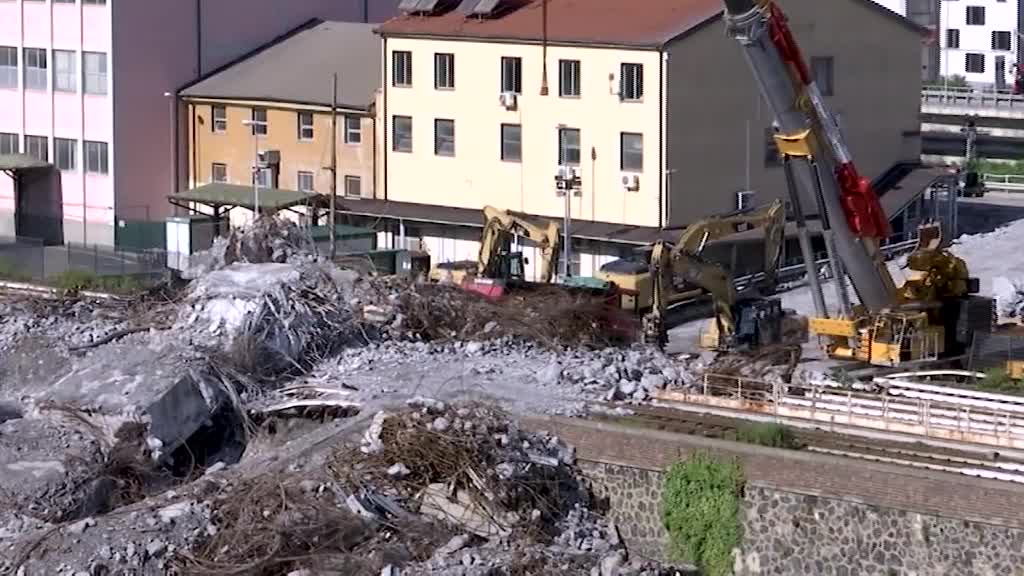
x,y
269,239
1009,295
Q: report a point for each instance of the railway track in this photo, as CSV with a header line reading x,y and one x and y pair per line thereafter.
x,y
976,461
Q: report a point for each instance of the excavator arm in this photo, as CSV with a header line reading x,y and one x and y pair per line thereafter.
x,y
682,262
500,226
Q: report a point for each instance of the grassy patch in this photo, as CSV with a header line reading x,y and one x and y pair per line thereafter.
x,y
78,280
701,512
11,271
1014,168
999,380
768,434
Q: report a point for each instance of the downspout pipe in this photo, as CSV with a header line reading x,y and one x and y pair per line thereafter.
x,y
384,113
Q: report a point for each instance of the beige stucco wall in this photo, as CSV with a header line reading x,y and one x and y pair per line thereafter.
x,y
712,96
236,148
477,176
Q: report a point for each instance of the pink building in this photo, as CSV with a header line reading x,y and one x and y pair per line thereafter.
x,y
83,84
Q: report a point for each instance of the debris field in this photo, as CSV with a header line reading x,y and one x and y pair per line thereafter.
x,y
281,415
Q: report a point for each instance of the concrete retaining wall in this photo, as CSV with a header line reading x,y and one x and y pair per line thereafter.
x,y
813,514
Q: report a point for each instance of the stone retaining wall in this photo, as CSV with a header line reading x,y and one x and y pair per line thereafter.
x,y
882,519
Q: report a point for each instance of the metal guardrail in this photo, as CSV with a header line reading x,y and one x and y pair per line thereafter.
x,y
935,417
1004,182
970,97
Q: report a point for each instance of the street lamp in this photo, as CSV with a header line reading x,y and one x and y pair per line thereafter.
x,y
257,169
567,185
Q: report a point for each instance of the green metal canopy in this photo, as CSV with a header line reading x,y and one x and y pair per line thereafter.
x,y
20,162
221,195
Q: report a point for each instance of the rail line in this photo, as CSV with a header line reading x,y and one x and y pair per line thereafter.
x,y
969,461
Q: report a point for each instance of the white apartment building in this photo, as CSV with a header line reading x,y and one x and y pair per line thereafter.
x,y
981,40
89,86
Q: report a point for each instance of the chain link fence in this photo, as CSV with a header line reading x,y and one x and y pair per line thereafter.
x,y
28,259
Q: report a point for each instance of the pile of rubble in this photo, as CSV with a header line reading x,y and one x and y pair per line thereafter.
x,y
1009,295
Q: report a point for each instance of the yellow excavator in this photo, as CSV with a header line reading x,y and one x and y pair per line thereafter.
x,y
497,266
741,322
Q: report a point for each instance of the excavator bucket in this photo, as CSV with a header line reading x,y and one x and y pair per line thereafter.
x,y
929,236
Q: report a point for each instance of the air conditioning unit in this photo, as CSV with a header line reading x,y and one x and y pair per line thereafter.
x,y
509,100
631,182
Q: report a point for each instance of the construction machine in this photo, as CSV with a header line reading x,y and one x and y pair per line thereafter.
x,y
497,266
934,314
742,321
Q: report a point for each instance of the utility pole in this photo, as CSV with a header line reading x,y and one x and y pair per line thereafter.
x,y
334,166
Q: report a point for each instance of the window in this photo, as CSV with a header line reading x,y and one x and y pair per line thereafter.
x,y
444,137
632,152
353,186
264,177
1000,40
218,172
975,63
65,71
402,137
63,1
975,15
631,82
568,147
259,121
511,74
744,200
401,68
96,157
66,153
36,147
512,142
824,76
94,65
353,129
305,181
8,67
568,78
220,119
771,149
952,38
94,2
35,69
9,143
444,71
305,125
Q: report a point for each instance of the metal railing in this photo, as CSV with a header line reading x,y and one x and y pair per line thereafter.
x,y
934,417
29,259
970,97
1004,182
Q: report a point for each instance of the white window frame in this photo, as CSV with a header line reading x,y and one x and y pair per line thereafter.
x,y
36,76
631,85
305,130
444,145
401,69
31,147
509,144
97,158
569,77
214,167
444,71
9,143
353,129
967,62
967,15
355,181
564,148
512,74
263,177
259,126
94,73
65,78
1002,34
395,144
625,152
9,67
218,125
744,200
305,174
65,154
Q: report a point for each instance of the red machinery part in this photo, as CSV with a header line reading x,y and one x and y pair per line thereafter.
x,y
783,39
860,202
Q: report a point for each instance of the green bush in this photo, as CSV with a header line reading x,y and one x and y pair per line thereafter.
x,y
701,512
1014,168
11,271
768,434
998,380
76,280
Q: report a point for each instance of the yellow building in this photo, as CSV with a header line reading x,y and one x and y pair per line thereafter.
x,y
277,102
648,102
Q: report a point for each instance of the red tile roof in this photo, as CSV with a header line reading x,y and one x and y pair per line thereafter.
x,y
609,22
